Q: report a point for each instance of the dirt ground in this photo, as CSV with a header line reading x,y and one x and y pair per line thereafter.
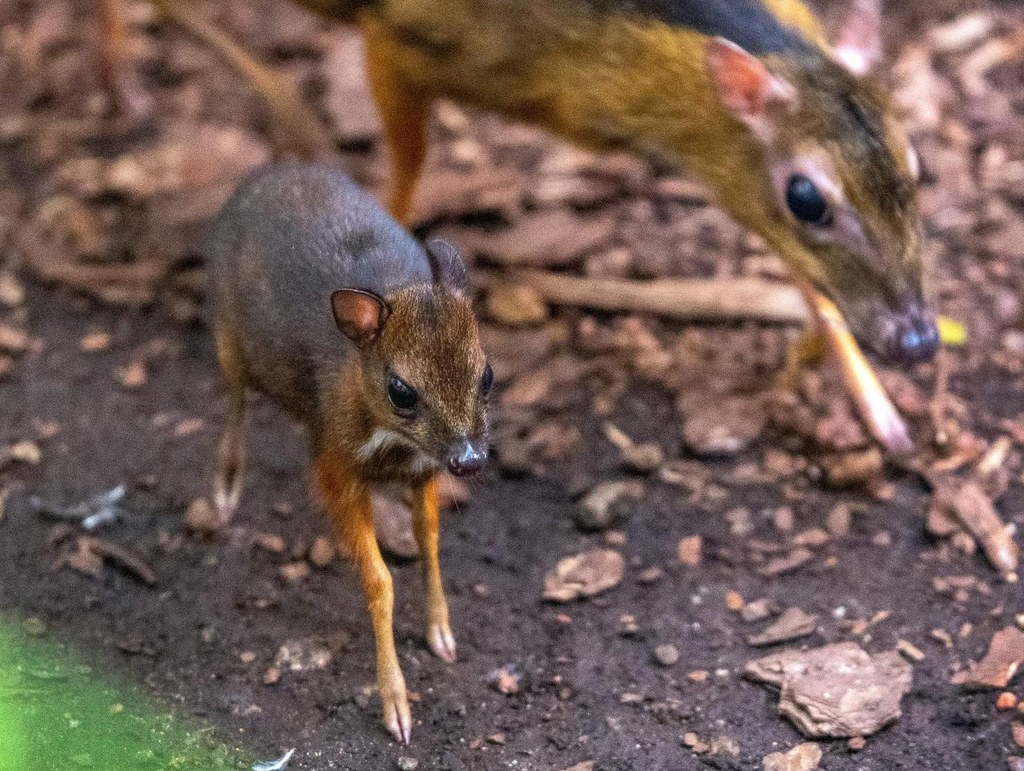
x,y
117,383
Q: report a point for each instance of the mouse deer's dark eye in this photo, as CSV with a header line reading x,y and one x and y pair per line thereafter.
x,y
806,202
402,396
487,381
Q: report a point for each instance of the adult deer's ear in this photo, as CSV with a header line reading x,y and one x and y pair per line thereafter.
x,y
859,47
446,265
754,96
360,315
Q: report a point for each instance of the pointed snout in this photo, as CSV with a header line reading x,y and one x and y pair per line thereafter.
x,y
467,458
910,335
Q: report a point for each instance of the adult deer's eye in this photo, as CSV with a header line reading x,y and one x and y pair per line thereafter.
x,y
487,381
402,396
806,202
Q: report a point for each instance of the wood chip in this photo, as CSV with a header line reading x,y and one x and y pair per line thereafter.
x,y
803,757
584,575
997,668
971,506
791,625
788,563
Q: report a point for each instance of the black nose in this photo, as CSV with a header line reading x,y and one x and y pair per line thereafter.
x,y
467,459
912,336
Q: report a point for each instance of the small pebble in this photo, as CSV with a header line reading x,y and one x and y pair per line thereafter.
x,y
294,572
690,549
734,601
321,553
857,743
1006,701
408,764
667,655
271,676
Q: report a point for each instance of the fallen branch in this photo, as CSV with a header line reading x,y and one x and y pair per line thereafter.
x,y
732,299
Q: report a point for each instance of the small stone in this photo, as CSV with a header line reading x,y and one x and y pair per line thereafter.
x,y
270,542
650,575
698,676
783,519
271,676
883,539
666,655
12,293
294,572
321,553
690,550
1017,731
604,504
13,340
200,517
839,520
506,680
1006,700
615,538
757,610
690,739
857,743
95,342
26,452
498,739
131,376
247,657
803,757
734,601
406,763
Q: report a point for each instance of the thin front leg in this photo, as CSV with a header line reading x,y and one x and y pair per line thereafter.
x,y
404,112
348,502
425,524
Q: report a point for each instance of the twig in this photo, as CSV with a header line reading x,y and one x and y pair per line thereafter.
x,y
733,299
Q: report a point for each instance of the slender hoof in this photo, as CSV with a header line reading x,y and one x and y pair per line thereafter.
x,y
397,718
226,503
441,641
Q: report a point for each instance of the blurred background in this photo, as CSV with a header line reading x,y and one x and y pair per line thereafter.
x,y
667,442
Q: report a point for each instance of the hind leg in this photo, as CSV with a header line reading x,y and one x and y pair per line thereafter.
x,y
404,112
227,481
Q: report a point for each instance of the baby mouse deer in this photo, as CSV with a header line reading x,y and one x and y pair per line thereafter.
x,y
324,303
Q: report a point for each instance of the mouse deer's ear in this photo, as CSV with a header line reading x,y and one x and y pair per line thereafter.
x,y
747,89
447,266
360,315
859,47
